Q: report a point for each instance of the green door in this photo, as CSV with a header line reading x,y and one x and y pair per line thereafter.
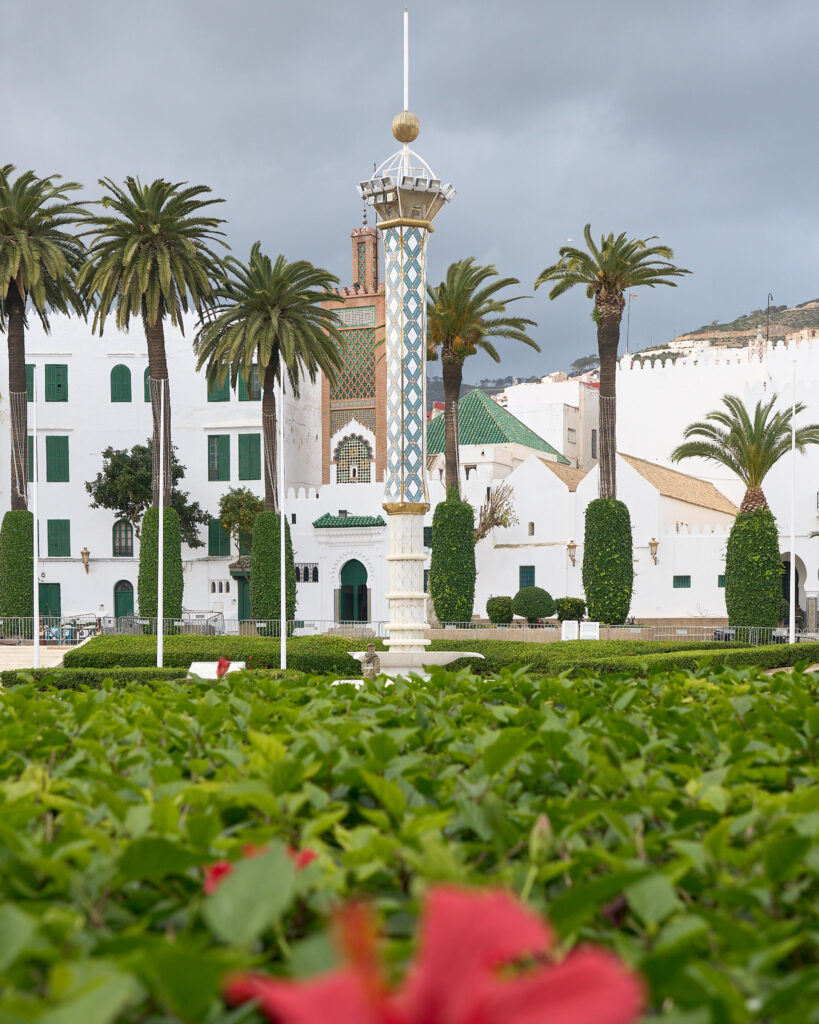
x,y
123,598
50,604
354,592
244,598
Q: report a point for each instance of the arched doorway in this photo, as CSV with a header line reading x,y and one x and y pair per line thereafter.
x,y
123,598
354,592
801,576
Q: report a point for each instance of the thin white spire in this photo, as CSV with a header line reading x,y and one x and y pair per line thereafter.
x,y
406,59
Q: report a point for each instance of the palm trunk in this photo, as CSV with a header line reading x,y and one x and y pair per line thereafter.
x,y
452,369
158,371
16,337
753,499
270,438
610,313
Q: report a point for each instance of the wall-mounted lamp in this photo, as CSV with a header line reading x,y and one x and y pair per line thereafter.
x,y
653,544
571,550
85,555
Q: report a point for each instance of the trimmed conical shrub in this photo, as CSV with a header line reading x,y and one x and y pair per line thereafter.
x,y
265,568
608,561
452,566
147,584
17,564
753,570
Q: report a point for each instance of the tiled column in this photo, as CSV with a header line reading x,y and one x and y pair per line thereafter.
x,y
405,492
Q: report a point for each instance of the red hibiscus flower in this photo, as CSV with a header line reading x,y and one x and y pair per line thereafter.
x,y
218,872
301,858
222,665
214,875
455,979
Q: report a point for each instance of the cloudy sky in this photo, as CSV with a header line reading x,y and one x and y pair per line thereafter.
x,y
694,121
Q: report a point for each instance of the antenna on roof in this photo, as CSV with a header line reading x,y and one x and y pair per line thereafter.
x,y
406,59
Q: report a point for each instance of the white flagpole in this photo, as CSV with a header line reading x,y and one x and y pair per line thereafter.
x,y
35,524
160,574
282,570
792,595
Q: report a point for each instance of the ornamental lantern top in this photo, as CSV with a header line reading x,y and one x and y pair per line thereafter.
x,y
404,187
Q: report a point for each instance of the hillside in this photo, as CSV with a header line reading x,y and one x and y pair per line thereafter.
x,y
784,320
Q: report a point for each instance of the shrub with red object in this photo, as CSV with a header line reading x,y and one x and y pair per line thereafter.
x,y
222,665
217,872
466,937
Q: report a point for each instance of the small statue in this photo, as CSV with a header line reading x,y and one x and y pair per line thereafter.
x,y
370,663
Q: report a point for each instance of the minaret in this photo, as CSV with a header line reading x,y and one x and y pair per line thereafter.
x,y
407,196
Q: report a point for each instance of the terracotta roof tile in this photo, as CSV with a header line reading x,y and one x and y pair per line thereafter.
x,y
673,484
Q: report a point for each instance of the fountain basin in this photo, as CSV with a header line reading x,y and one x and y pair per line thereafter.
x,y
407,663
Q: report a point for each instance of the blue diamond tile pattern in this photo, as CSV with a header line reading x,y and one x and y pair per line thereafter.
x,y
405,282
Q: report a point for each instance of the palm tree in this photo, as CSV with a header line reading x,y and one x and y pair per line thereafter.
x,y
270,314
463,313
749,447
39,258
607,271
151,256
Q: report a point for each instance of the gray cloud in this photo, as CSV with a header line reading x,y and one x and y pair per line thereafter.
x,y
695,122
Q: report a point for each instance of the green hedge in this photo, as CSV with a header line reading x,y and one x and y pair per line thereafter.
x,y
570,608
452,565
499,609
173,583
608,569
769,656
753,570
327,655
265,568
533,604
75,678
16,562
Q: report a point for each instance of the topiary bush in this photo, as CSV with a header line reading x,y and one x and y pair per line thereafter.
x,y
173,582
499,609
452,567
570,608
608,567
265,568
17,564
753,570
533,603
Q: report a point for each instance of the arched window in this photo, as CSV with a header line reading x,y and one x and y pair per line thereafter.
x,y
315,574
120,384
213,588
298,573
531,529
352,458
123,539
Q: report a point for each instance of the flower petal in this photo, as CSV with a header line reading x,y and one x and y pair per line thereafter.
x,y
464,937
214,874
588,987
330,997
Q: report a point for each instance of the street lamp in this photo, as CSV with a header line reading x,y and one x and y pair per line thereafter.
x,y
653,544
571,550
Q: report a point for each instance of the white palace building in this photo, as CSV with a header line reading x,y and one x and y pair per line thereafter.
x,y
91,394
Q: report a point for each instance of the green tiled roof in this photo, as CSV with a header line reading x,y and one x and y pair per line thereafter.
x,y
327,520
482,421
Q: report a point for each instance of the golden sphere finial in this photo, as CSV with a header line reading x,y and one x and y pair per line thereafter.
x,y
406,126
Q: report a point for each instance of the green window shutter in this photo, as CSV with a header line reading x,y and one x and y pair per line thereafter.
x,y
250,457
147,385
244,543
426,580
30,458
526,576
427,536
218,539
682,583
59,538
250,392
56,382
219,457
120,384
721,580
57,460
30,381
122,538
219,393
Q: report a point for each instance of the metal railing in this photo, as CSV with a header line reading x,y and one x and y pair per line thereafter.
x,y
58,630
